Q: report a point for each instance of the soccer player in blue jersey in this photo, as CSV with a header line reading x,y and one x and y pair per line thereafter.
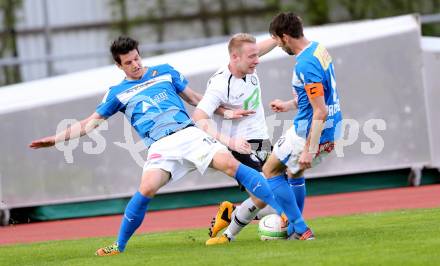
x,y
316,124
150,98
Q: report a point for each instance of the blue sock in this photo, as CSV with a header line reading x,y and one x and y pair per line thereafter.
x,y
286,199
298,186
256,184
133,216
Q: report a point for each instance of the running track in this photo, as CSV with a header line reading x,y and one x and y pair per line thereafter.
x,y
317,206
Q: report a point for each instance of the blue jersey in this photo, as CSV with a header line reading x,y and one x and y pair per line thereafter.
x,y
314,65
151,104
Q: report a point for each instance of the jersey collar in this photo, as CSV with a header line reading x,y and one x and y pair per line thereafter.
x,y
305,48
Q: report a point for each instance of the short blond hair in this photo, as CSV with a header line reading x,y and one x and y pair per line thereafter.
x,y
236,41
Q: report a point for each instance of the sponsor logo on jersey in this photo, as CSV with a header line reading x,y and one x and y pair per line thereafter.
x,y
253,101
253,80
126,95
145,106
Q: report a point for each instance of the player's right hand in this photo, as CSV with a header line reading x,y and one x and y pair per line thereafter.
x,y
42,143
240,145
278,106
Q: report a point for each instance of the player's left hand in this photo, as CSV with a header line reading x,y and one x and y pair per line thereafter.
x,y
305,160
237,113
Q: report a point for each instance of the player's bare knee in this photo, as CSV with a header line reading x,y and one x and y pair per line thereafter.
x,y
152,181
268,171
225,162
258,203
148,191
231,165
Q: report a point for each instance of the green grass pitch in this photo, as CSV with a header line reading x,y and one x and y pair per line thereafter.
x,y
408,237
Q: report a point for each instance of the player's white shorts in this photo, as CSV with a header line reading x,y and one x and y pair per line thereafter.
x,y
289,147
182,152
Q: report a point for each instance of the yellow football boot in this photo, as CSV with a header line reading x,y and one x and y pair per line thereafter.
x,y
218,240
222,219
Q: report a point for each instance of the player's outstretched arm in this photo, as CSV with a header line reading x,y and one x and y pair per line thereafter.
x,y
193,98
190,96
278,105
266,46
206,124
77,130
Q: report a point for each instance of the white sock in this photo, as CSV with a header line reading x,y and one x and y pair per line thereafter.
x,y
265,211
241,217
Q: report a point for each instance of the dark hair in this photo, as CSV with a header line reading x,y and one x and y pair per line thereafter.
x,y
286,23
123,45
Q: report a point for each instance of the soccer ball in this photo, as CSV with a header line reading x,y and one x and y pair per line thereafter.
x,y
271,227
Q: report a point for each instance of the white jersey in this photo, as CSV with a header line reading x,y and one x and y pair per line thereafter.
x,y
231,92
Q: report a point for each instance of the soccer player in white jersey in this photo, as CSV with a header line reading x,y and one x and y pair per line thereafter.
x,y
316,125
150,98
236,86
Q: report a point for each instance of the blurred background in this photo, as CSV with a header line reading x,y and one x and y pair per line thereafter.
x,y
42,38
